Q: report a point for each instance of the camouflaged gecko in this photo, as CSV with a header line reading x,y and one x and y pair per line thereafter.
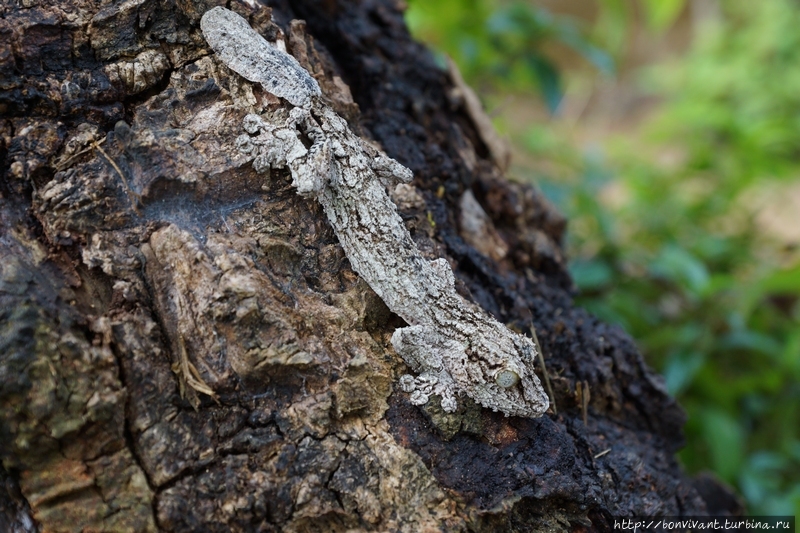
x,y
454,346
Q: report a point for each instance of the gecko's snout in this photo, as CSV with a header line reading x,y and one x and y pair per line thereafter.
x,y
506,378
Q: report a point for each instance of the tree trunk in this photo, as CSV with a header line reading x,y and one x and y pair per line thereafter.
x,y
184,346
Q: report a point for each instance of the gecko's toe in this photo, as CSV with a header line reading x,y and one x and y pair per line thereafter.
x,y
449,404
407,383
252,123
419,398
244,144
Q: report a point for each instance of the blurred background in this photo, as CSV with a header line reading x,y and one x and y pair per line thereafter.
x,y
668,132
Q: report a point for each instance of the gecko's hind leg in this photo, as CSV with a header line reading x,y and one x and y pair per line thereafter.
x,y
278,146
317,169
425,351
272,146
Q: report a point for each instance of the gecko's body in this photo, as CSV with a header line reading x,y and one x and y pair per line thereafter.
x,y
454,346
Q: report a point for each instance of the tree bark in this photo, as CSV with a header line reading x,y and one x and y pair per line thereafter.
x,y
184,346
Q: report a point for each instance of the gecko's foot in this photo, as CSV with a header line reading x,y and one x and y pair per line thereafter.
x,y
419,398
424,386
424,348
407,383
449,404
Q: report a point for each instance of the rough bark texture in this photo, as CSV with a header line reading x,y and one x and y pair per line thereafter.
x,y
143,263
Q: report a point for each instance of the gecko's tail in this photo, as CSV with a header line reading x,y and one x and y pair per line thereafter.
x,y
248,54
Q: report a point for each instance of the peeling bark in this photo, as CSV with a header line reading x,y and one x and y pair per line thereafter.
x,y
142,261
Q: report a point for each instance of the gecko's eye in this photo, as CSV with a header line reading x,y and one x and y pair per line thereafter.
x,y
506,378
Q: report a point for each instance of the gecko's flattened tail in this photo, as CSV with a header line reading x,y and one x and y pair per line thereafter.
x,y
248,54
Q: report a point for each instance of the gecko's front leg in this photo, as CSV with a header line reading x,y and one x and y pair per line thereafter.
x,y
426,351
278,146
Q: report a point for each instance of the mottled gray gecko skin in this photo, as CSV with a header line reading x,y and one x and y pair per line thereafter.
x,y
454,346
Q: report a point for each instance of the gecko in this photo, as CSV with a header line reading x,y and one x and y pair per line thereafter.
x,y
453,346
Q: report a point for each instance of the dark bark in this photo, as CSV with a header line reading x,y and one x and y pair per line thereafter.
x,y
143,260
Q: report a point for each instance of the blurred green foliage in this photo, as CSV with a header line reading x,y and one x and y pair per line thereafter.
x,y
616,16
665,232
500,44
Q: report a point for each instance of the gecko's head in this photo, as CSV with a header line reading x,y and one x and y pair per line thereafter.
x,y
509,383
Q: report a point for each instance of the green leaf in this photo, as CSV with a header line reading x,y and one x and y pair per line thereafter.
x,y
790,358
598,57
725,439
589,275
612,25
681,369
681,267
751,341
549,80
661,14
761,482
782,282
